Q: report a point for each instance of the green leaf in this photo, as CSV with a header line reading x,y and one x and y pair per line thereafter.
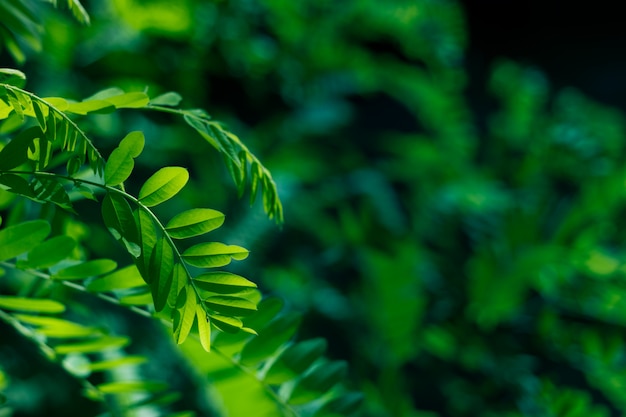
x,y
140,299
124,278
134,100
268,309
294,360
233,306
194,222
51,252
204,328
213,254
120,220
38,305
171,99
12,77
222,282
319,380
163,185
56,328
179,280
15,153
160,272
115,363
270,339
133,143
118,168
147,237
184,314
17,239
93,346
226,323
86,269
92,106
120,387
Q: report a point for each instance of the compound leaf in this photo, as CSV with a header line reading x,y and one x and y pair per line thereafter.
x,y
163,185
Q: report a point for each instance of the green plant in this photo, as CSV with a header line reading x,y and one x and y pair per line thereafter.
x,y
52,175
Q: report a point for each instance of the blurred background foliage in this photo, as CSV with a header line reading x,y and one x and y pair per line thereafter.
x,y
467,260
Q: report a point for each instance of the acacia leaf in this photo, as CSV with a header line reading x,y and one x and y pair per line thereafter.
x,y
86,269
194,222
171,99
120,220
213,254
226,323
163,185
19,238
123,278
222,282
51,252
267,342
33,305
204,328
160,272
92,346
233,306
184,314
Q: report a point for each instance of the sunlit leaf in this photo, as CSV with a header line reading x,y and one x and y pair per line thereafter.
x,y
19,238
119,387
170,99
134,100
194,222
86,269
124,278
115,363
233,306
184,314
12,77
222,282
226,323
204,328
163,185
147,237
121,163
213,254
56,328
31,304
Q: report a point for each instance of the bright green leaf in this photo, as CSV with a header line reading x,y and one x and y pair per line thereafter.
x,y
222,282
204,328
179,280
147,237
86,107
226,323
124,278
120,387
134,100
141,299
12,77
184,314
171,99
163,185
133,143
115,363
17,239
194,222
232,306
213,254
38,305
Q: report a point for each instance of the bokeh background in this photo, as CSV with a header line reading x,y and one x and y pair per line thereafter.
x,y
453,176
